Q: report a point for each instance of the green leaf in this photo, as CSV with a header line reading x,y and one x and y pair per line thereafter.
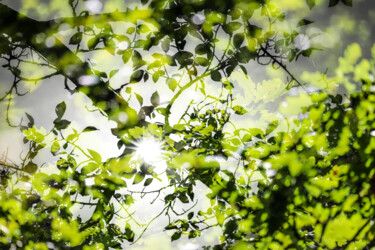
x,y
169,198
55,146
183,198
138,178
172,83
165,45
307,53
184,58
229,28
148,181
89,168
228,84
128,199
238,40
95,156
158,56
32,134
155,77
347,2
76,38
144,28
281,17
303,22
91,43
190,215
71,137
140,44
201,49
243,69
61,124
271,127
292,54
89,129
113,72
207,130
60,109
136,76
128,90
255,31
155,99
333,3
130,30
202,61
126,56
31,168
129,234
244,55
139,98
162,111
231,67
239,110
256,132
176,236
31,120
155,64
310,3
216,76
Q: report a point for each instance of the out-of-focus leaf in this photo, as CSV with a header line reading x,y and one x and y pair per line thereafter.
x,y
303,22
136,76
76,38
333,3
310,3
155,99
31,168
60,109
89,129
348,2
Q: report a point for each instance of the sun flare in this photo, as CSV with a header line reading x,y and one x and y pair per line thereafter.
x,y
149,150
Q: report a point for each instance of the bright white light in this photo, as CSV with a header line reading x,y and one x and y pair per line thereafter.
x,y
188,246
118,79
124,72
50,41
149,150
64,29
269,171
198,19
88,80
94,6
194,95
302,42
123,117
231,111
123,45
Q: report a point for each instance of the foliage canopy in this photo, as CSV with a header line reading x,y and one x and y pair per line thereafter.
x,y
174,78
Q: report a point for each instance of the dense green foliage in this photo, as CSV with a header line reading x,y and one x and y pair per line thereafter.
x,y
303,179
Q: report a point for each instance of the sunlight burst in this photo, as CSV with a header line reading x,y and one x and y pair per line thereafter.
x,y
149,150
